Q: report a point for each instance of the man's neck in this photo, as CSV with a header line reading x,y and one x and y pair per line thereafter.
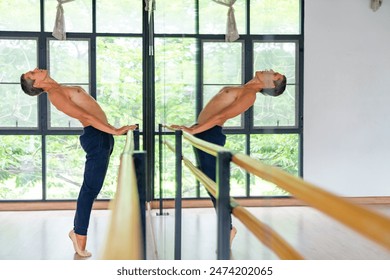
x,y
254,84
49,84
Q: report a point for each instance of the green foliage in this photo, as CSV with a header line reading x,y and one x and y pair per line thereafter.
x,y
280,150
21,167
175,81
65,159
119,73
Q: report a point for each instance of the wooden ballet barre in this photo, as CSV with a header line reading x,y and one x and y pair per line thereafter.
x,y
263,232
365,221
124,238
373,225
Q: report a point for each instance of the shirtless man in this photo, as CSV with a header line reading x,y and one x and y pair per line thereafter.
x,y
96,140
226,104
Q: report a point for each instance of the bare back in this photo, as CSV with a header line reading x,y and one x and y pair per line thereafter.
x,y
70,99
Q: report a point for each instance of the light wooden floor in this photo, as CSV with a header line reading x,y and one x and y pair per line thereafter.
x,y
43,235
311,233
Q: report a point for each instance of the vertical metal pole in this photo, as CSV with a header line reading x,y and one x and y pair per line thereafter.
x,y
140,170
223,205
148,99
160,166
178,144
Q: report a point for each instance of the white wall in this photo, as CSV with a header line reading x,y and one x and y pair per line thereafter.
x,y
347,97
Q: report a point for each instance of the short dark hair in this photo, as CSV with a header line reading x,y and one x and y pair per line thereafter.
x,y
27,87
280,86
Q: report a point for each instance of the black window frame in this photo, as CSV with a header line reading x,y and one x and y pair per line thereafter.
x,y
148,128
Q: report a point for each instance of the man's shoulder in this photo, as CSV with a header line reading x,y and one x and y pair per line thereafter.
x,y
231,89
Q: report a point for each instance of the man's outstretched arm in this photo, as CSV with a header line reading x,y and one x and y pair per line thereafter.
x,y
75,111
237,107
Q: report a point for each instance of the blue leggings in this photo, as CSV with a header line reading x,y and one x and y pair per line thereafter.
x,y
208,163
98,145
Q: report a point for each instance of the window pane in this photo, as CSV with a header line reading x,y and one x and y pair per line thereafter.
x,y
26,18
280,150
175,17
279,56
189,185
65,167
69,64
267,17
119,79
276,111
213,17
280,110
17,109
124,16
222,63
16,58
222,66
175,81
78,15
168,185
69,61
21,167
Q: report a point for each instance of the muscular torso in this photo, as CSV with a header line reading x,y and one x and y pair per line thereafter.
x,y
228,103
223,99
61,97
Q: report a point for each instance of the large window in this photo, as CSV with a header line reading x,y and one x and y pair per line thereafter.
x,y
270,37
167,63
283,110
40,154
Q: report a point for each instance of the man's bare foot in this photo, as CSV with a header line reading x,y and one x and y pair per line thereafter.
x,y
233,233
79,243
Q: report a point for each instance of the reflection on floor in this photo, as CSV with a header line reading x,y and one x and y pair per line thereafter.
x,y
42,235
